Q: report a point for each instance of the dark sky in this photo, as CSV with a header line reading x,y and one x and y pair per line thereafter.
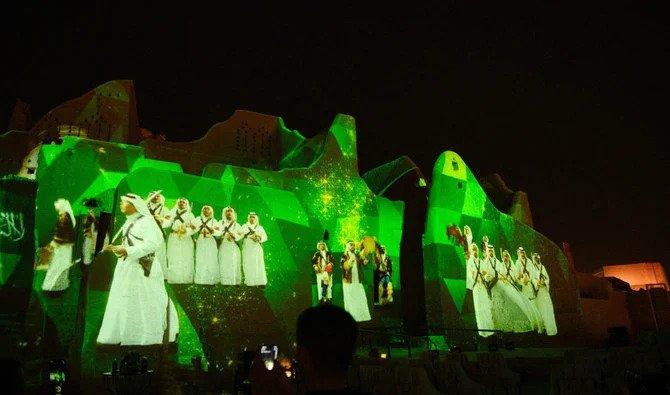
x,y
568,104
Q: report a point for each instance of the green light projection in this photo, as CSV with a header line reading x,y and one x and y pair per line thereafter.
x,y
295,204
456,198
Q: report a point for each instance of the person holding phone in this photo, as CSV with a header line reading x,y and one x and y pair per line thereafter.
x,y
322,366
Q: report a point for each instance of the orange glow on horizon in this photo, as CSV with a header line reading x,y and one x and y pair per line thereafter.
x,y
639,275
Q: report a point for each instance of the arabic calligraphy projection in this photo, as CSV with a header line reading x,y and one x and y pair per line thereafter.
x,y
12,226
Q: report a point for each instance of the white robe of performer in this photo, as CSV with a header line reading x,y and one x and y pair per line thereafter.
x,y
355,300
253,261
524,275
57,277
137,306
476,270
543,300
230,257
511,311
206,252
88,246
323,275
58,274
180,248
160,213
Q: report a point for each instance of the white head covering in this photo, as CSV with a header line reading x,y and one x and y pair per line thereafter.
x,y
161,198
202,212
223,213
253,214
322,242
188,204
139,203
63,206
143,209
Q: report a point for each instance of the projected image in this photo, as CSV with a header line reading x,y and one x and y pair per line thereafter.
x,y
227,244
479,274
383,285
90,232
156,205
138,310
180,248
253,260
354,261
230,257
507,295
355,300
223,251
56,257
206,250
323,265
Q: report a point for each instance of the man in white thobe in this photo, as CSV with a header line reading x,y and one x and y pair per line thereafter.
x,y
138,310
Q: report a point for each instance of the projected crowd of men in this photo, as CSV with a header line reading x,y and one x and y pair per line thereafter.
x,y
508,295
203,250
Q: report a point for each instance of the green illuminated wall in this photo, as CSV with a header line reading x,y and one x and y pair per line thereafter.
x,y
457,198
318,188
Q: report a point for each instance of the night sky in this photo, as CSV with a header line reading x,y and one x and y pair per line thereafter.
x,y
568,105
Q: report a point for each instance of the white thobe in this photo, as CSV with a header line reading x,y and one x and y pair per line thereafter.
x,y
253,261
511,311
230,258
160,213
543,299
138,305
355,300
180,248
477,271
206,252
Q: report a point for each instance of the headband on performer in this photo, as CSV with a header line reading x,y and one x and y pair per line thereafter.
x,y
137,202
223,213
152,195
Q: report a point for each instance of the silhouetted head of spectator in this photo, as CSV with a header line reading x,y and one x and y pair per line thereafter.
x,y
326,337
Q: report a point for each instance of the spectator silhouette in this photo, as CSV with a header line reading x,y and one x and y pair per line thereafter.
x,y
326,342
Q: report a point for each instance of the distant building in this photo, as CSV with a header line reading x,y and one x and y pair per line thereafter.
x,y
644,275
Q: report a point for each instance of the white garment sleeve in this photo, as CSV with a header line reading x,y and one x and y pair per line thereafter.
x,y
190,224
219,226
149,243
168,220
244,229
470,274
164,219
236,230
534,274
546,276
518,270
262,234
